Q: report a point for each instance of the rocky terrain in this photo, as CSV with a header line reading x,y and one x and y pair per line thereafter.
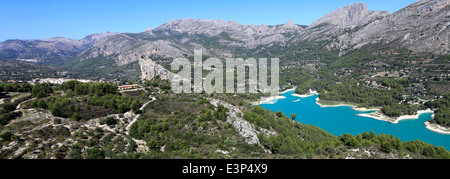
x,y
421,27
179,38
245,129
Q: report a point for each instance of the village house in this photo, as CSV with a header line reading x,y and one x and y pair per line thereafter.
x,y
125,87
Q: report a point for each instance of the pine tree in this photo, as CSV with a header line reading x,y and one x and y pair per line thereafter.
x,y
293,116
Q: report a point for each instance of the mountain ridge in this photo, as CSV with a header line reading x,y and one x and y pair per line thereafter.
x,y
223,38
420,27
45,50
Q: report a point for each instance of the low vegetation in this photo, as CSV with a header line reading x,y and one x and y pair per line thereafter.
x,y
84,101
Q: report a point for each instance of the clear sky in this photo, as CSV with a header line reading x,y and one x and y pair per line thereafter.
x,y
38,19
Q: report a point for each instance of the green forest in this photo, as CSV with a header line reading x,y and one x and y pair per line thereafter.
x,y
442,113
350,91
84,101
396,110
389,143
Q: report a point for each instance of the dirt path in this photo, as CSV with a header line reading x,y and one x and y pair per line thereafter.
x,y
26,101
142,147
127,129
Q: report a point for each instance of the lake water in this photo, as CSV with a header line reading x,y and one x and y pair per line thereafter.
x,y
341,120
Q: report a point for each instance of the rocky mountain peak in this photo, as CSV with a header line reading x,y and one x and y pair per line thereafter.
x,y
196,26
97,36
291,25
422,26
149,29
348,16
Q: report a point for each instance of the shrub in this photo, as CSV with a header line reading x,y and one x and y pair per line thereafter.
x,y
110,121
57,121
7,136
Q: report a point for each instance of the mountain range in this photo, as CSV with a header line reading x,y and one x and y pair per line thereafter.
x,y
420,27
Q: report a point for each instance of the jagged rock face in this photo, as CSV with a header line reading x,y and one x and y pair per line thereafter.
x,y
212,28
150,69
179,38
423,26
124,48
341,21
207,27
348,16
244,128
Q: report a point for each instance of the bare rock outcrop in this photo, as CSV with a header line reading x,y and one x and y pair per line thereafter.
x,y
423,26
244,128
348,16
150,69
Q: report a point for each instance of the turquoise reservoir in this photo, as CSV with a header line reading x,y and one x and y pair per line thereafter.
x,y
341,120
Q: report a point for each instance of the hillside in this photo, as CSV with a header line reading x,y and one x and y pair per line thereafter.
x,y
166,125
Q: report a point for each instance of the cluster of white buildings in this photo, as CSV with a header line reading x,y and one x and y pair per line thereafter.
x,y
56,80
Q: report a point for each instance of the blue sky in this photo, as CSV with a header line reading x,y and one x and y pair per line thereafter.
x,y
38,19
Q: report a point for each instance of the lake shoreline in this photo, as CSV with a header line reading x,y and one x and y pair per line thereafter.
x,y
311,93
268,100
344,120
378,115
437,128
340,104
343,104
288,90
271,99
